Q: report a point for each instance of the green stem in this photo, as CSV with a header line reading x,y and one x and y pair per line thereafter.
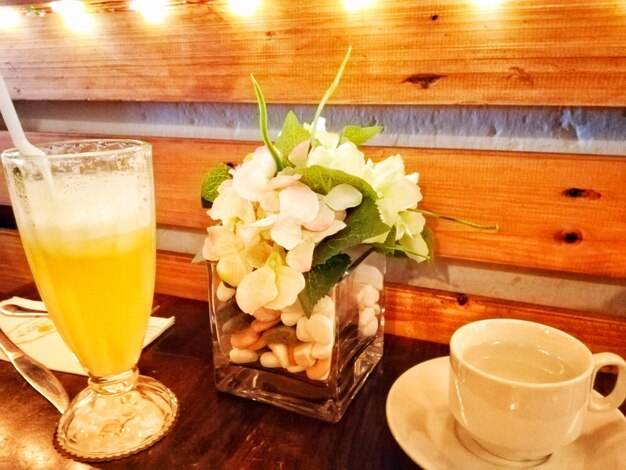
x,y
327,96
455,219
278,160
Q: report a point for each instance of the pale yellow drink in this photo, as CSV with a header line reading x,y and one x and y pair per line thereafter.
x,y
99,294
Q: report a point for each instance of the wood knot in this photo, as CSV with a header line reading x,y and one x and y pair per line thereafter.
x,y
582,193
571,237
434,17
520,74
462,299
424,80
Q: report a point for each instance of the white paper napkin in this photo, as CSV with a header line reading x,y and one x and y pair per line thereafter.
x,y
38,337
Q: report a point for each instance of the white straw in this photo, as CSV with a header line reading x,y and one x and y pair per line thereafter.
x,y
13,124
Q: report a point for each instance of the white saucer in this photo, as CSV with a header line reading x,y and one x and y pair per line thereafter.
x,y
418,417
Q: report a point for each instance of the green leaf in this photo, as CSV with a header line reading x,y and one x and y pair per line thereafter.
x,y
359,135
292,134
429,238
321,180
363,222
278,160
328,94
320,279
388,247
211,182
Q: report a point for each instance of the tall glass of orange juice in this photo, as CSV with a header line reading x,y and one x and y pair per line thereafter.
x,y
85,214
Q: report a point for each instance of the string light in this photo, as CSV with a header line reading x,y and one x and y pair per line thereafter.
x,y
153,11
356,5
9,18
74,15
487,3
243,7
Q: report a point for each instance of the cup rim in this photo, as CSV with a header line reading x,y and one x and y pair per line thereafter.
x,y
14,153
579,344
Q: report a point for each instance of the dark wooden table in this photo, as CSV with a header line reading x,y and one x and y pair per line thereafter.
x,y
217,430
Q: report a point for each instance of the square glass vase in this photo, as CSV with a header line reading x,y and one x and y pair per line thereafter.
x,y
311,365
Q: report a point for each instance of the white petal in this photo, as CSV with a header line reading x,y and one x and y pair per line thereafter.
x,y
298,202
317,237
249,182
282,181
290,283
343,196
327,139
415,244
299,154
269,201
233,268
301,257
286,232
219,242
229,205
256,289
264,161
265,222
324,219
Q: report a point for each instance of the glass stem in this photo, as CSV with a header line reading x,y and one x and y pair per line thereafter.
x,y
114,384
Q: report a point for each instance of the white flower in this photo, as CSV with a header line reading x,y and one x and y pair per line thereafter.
x,y
252,176
230,207
397,193
326,139
347,158
274,286
226,248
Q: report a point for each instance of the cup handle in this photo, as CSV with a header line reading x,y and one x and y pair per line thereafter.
x,y
618,394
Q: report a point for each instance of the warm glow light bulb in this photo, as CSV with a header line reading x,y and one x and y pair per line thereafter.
x,y
487,3
9,18
74,15
356,5
243,7
153,11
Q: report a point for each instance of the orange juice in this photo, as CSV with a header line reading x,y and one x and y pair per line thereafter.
x,y
99,294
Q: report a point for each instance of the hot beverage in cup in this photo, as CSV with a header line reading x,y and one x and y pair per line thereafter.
x,y
519,390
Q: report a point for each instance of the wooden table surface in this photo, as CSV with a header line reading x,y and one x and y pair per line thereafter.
x,y
216,430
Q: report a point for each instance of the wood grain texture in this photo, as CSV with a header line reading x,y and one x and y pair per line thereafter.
x,y
426,313
14,270
556,211
525,52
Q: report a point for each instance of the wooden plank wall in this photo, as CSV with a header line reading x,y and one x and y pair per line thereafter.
x,y
563,204
568,216
524,52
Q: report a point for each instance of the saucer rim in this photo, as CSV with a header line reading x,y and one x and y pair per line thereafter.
x,y
416,456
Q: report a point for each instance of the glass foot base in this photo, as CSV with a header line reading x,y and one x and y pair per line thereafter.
x,y
100,426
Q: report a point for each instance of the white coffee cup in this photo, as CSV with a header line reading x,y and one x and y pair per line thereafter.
x,y
521,389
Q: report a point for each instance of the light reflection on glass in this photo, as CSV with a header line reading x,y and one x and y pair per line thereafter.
x,y
9,18
73,14
153,11
243,7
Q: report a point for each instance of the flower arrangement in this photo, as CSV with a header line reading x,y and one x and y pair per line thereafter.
x,y
286,217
